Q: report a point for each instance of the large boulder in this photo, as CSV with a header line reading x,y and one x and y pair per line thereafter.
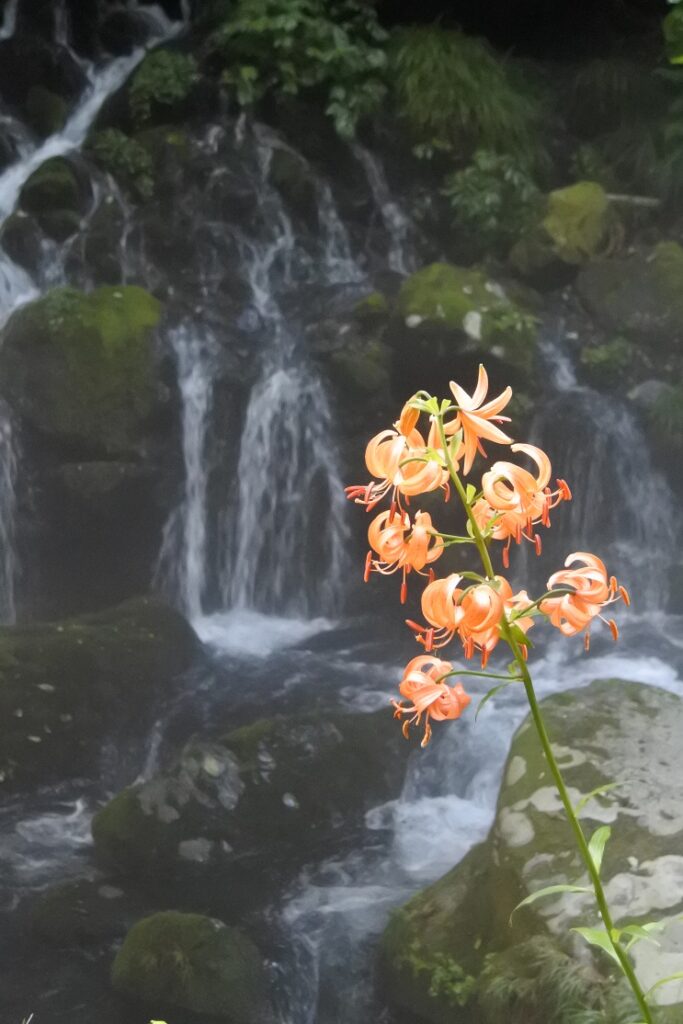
x,y
640,296
81,368
225,802
190,962
456,311
576,225
66,686
57,196
451,954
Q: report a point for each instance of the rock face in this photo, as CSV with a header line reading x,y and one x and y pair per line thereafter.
x,y
641,296
224,803
65,686
80,368
444,296
191,962
85,379
577,224
447,950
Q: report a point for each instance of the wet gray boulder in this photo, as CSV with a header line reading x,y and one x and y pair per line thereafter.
x,y
451,954
300,782
191,962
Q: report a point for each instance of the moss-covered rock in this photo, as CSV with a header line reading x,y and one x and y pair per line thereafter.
x,y
22,239
640,296
476,313
576,225
81,368
372,306
46,112
64,686
191,962
460,925
225,802
54,186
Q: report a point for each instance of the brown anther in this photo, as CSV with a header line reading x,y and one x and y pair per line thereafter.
x,y
368,567
538,544
586,641
625,596
613,629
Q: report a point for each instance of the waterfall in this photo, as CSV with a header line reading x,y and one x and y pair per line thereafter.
x,y
401,257
287,538
182,567
16,285
623,506
7,518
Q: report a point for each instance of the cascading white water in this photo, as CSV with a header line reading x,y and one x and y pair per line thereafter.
x,y
627,513
288,534
182,567
7,516
401,256
340,265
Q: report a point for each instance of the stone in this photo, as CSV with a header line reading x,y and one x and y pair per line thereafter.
x,y
82,369
191,962
640,296
577,224
54,186
226,801
46,112
611,730
65,685
456,309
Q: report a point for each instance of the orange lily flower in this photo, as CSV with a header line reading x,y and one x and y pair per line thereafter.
x,y
518,499
474,613
475,418
398,459
591,591
401,545
423,686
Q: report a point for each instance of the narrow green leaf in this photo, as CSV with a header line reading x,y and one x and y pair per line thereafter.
x,y
596,846
678,976
599,937
487,697
550,890
606,788
639,932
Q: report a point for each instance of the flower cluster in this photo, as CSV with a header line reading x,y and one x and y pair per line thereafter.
x,y
510,504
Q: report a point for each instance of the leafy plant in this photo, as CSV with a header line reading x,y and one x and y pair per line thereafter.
x,y
288,46
607,365
163,78
456,95
126,159
493,198
447,978
535,982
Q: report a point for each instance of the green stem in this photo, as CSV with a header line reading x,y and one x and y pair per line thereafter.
x,y
541,730
462,494
581,842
